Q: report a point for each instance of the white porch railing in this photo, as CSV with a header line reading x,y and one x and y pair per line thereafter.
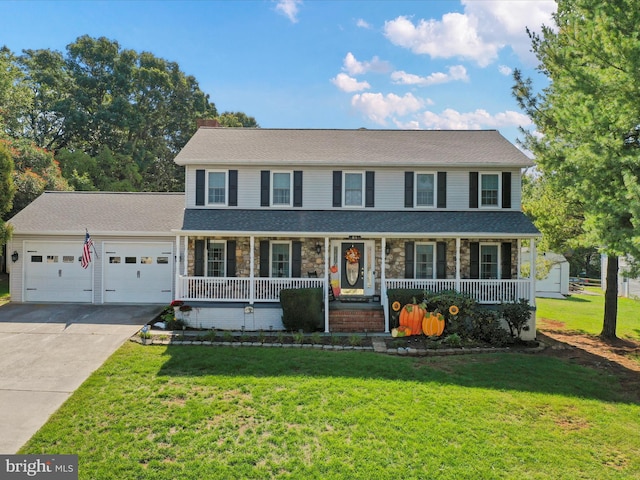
x,y
233,289
483,291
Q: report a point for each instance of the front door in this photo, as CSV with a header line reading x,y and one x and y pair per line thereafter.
x,y
355,263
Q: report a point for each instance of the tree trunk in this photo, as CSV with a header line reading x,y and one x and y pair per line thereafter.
x,y
611,300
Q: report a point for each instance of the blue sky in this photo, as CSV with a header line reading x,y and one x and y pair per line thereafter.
x,y
319,64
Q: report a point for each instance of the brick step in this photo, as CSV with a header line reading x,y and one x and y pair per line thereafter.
x,y
357,321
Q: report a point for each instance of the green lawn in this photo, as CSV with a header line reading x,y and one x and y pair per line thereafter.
x,y
188,412
584,313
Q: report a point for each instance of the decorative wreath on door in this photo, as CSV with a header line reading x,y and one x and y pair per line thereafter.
x,y
352,255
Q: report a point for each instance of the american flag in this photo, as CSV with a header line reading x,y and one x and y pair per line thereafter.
x,y
86,251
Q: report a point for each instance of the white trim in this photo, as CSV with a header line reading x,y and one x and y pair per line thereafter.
x,y
207,203
499,199
362,188
272,186
415,189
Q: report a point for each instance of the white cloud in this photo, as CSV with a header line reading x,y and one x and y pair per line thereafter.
x,y
349,84
289,8
455,36
479,119
478,34
457,72
505,70
363,23
378,107
355,67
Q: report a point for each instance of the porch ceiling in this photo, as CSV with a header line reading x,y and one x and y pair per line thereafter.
x,y
494,223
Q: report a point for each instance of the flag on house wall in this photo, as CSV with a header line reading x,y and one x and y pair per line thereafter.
x,y
86,251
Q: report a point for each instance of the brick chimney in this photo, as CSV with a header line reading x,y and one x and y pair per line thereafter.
x,y
207,122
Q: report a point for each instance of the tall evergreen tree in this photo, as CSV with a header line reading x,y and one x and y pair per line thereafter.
x,y
588,123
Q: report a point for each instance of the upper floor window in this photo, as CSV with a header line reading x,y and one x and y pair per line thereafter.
x,y
216,259
280,259
217,188
353,189
425,260
425,189
281,194
489,189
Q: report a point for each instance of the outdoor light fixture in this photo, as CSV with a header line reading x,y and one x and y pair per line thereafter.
x,y
387,248
318,248
14,256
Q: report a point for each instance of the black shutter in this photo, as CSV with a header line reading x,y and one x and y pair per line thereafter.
x,y
473,189
296,259
265,178
264,258
506,261
200,187
231,258
233,188
337,188
441,260
408,189
442,190
409,256
474,253
506,189
198,259
297,188
369,189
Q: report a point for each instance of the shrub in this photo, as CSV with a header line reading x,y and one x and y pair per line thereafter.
x,y
516,315
485,326
302,309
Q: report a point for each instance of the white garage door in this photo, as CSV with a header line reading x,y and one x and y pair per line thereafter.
x,y
53,273
138,272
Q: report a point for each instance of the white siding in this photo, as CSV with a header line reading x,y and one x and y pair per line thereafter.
x,y
317,189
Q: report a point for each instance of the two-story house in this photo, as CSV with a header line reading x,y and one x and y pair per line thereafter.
x,y
356,212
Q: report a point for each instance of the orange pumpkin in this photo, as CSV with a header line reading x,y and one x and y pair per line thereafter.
x,y
433,324
411,315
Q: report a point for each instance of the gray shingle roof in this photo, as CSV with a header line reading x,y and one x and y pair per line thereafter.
x,y
101,213
258,146
387,223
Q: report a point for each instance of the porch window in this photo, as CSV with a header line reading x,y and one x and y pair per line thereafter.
x,y
280,260
281,194
216,259
353,186
425,260
489,189
425,189
489,261
217,188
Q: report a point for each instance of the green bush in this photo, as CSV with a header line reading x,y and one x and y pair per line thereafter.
x,y
302,309
485,326
516,315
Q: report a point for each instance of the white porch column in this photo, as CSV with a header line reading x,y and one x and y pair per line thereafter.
x,y
185,257
519,247
458,264
532,275
327,284
383,283
252,283
177,292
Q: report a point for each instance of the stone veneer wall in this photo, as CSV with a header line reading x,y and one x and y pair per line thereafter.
x,y
311,261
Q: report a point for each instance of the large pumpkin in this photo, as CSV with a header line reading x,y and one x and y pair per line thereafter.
x,y
411,315
433,324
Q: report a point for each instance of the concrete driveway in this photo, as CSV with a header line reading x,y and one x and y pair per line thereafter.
x,y
47,351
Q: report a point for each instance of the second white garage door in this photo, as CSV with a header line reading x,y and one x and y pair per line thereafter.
x,y
138,272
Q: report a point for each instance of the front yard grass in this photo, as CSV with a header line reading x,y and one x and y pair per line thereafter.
x,y
584,313
188,412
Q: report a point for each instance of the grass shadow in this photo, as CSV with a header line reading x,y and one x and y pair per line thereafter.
x,y
521,372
